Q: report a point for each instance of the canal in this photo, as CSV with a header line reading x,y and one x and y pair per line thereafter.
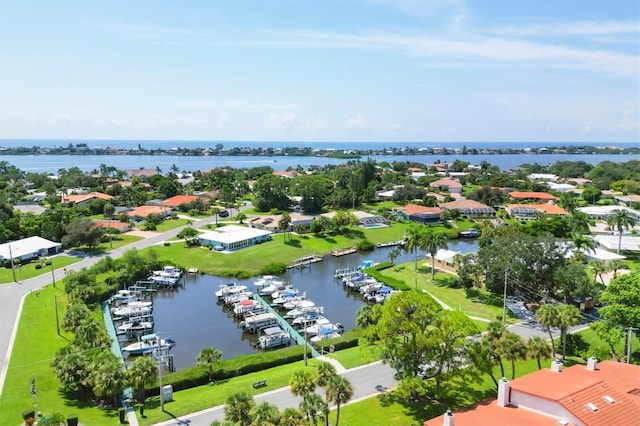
x,y
192,316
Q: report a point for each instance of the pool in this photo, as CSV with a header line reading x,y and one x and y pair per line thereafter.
x,y
375,225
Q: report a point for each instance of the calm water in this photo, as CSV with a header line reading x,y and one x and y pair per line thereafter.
x,y
193,317
87,163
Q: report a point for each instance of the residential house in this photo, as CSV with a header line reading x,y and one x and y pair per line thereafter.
x,y
600,394
529,211
420,214
532,196
446,184
116,225
470,208
233,237
28,248
84,199
603,212
178,200
444,260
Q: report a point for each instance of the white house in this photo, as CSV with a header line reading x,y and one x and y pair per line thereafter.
x,y
603,212
28,248
233,237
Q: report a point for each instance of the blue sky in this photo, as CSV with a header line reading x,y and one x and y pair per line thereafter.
x,y
304,70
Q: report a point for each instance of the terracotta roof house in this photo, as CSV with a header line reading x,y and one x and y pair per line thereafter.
x,y
85,199
529,211
420,214
290,174
144,211
128,183
446,183
470,208
532,196
112,224
600,394
143,173
177,200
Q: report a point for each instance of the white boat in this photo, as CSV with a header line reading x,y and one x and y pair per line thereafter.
x,y
273,337
302,311
314,329
311,318
163,280
470,233
370,287
329,331
287,290
148,344
272,288
229,288
134,325
126,295
266,280
168,271
129,311
383,294
254,323
298,303
192,271
241,296
286,296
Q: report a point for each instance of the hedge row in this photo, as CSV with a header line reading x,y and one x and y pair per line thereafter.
x,y
239,366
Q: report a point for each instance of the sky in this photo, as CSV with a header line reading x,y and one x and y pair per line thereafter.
x,y
311,70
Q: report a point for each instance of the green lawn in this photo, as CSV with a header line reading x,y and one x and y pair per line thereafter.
x,y
390,409
169,224
354,357
28,270
479,303
36,344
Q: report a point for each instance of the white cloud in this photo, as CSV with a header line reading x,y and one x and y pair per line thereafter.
x,y
287,121
570,28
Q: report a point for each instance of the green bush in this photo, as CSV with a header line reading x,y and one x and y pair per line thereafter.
x,y
347,340
365,245
394,283
167,243
273,269
38,266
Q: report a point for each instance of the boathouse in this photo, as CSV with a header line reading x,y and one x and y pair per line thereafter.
x,y
233,237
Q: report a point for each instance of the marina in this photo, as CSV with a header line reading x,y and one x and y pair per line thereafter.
x,y
196,319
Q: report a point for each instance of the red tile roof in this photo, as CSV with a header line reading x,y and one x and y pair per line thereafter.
x,y
144,211
84,197
411,209
447,182
176,200
532,195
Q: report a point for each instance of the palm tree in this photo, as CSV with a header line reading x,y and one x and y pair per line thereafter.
x,y
393,254
431,243
215,211
240,217
620,220
89,333
568,316
368,315
339,391
108,379
616,265
583,243
265,414
512,347
495,332
598,267
314,407
284,223
142,371
108,211
238,408
302,383
413,238
292,417
326,372
579,222
483,358
208,357
547,315
75,314
538,348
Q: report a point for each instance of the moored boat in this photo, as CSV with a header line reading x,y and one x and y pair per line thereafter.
x,y
147,344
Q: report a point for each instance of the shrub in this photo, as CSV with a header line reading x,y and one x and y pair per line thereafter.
x,y
38,266
273,269
365,245
167,243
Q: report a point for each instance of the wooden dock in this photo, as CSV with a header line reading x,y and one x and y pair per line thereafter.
x,y
343,251
304,261
390,244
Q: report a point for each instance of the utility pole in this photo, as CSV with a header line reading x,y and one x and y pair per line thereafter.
x,y
305,342
160,373
53,275
630,331
13,266
504,298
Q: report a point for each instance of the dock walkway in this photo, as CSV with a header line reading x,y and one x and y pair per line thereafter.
x,y
343,251
304,261
295,335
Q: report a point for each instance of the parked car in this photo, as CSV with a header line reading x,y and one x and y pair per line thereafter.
x,y
224,213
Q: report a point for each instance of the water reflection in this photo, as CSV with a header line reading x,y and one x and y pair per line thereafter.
x,y
193,316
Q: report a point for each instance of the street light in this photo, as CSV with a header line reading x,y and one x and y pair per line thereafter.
x,y
53,275
13,266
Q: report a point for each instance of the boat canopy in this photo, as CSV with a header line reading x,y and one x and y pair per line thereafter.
x,y
149,337
271,330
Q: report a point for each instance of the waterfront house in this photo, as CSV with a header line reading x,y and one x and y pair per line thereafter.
x,y
599,394
444,260
84,199
233,237
446,184
420,214
470,208
529,211
603,212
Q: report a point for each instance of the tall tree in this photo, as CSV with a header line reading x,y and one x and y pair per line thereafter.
x,y
108,211
284,223
108,378
538,348
547,315
513,348
314,407
622,301
209,357
620,220
326,372
495,331
431,242
302,383
568,316
265,414
339,391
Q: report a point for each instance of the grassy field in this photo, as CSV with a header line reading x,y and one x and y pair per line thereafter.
x,y
36,344
390,409
355,357
478,303
168,225
28,270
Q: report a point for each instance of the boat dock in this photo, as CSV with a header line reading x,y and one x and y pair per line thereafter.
x,y
343,251
295,335
304,261
390,244
341,273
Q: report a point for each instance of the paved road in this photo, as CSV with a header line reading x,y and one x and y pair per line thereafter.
x,y
12,295
368,380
